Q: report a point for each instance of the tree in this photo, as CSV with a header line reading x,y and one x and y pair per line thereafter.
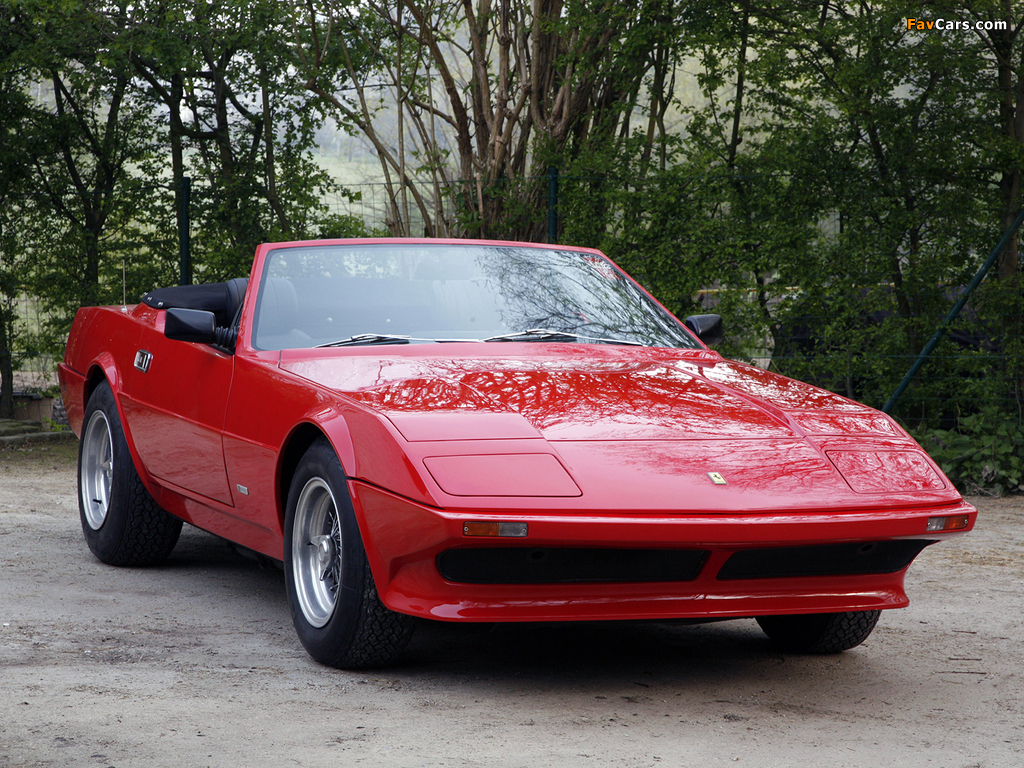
x,y
995,34
488,96
13,178
221,74
837,180
82,137
119,92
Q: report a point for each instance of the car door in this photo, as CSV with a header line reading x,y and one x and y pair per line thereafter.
x,y
176,397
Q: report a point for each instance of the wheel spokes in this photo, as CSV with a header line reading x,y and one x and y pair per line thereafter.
x,y
316,552
326,556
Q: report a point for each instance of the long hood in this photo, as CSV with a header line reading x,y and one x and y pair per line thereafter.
x,y
620,419
625,395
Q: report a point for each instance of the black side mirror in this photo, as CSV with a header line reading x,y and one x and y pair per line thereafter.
x,y
199,326
707,328
190,325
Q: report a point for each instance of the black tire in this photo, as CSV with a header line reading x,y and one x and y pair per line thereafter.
x,y
337,613
122,523
819,632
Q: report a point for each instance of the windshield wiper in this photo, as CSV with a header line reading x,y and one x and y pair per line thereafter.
x,y
367,338
532,334
546,334
541,334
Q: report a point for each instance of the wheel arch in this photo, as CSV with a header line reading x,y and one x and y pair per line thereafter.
x,y
337,433
104,369
303,435
97,375
297,443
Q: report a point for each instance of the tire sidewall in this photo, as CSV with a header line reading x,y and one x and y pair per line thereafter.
x,y
105,541
820,633
323,643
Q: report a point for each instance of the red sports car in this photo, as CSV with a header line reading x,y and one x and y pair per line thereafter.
x,y
483,432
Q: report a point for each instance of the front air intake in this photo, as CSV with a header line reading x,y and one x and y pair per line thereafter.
x,y
529,565
856,558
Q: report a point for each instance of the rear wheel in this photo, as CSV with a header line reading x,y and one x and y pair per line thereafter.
x,y
819,632
337,613
122,523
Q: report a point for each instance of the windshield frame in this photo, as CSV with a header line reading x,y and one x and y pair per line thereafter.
x,y
617,292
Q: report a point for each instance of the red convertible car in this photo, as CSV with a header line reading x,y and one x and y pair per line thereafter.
x,y
488,432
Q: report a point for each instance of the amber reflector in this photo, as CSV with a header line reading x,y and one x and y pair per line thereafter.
x,y
516,530
951,523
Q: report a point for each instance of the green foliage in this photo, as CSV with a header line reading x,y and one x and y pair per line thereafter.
x,y
829,198
337,226
126,101
829,184
13,179
238,123
985,454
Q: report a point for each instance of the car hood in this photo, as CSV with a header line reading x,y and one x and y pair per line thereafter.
x,y
625,395
616,414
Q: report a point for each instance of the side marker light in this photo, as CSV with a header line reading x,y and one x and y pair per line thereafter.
x,y
515,530
951,523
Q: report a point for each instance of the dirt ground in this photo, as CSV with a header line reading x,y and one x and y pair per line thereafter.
x,y
196,664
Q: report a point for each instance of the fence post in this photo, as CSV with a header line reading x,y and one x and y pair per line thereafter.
x,y
552,205
937,336
184,229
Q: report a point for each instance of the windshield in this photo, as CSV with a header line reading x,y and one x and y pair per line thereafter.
x,y
387,293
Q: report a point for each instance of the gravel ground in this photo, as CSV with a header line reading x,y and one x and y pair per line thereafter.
x,y
195,663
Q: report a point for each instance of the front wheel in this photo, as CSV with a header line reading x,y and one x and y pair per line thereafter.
x,y
335,607
819,632
122,523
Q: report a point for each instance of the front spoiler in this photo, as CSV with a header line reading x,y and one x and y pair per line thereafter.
x,y
403,540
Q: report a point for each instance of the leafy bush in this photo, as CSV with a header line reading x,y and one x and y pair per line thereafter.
x,y
985,454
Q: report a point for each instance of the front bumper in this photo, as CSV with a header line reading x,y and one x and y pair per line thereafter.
x,y
404,540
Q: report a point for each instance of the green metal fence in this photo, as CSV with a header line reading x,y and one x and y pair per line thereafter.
x,y
857,347
862,349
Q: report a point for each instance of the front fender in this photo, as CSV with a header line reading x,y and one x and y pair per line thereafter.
x,y
372,453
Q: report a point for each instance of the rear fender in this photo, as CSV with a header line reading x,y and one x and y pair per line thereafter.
x,y
105,369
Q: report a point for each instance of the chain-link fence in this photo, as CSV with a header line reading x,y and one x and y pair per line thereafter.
x,y
969,373
38,372
859,347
